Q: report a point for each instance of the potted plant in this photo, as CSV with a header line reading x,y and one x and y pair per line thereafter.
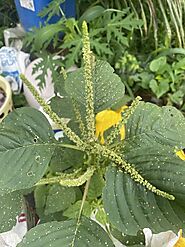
x,y
5,98
122,166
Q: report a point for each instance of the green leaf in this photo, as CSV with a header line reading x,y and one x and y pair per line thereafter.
x,y
100,48
58,216
10,207
47,64
63,107
159,88
49,33
177,97
65,159
58,161
52,9
145,79
67,233
180,65
40,196
91,13
151,137
108,87
26,147
73,210
74,53
151,148
59,198
130,241
96,186
164,125
101,216
157,64
131,207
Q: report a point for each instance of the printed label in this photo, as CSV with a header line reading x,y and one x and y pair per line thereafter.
x,y
28,4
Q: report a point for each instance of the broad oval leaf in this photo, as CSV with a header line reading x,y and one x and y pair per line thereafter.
x,y
131,207
26,147
165,125
10,207
108,87
152,135
67,233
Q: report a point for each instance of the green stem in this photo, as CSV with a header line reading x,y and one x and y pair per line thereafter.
x,y
128,87
81,208
68,146
84,197
62,13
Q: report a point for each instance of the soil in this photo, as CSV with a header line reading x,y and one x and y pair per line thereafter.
x,y
2,97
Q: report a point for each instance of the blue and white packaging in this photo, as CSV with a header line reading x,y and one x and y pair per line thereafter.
x,y
12,64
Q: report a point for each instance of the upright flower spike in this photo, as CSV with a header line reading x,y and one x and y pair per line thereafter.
x,y
128,111
89,94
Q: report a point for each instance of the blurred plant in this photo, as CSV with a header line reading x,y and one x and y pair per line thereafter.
x,y
8,16
163,21
52,9
163,74
110,32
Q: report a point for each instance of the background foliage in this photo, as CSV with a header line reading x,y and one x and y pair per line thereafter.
x,y
8,17
120,32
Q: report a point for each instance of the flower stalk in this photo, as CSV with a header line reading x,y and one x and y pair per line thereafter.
x,y
127,113
89,91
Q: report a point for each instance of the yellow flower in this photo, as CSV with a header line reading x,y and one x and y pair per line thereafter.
x,y
181,241
107,119
181,154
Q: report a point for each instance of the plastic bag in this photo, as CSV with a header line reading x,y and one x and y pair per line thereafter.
x,y
12,64
16,234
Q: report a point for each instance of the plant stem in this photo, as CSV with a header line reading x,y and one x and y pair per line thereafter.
x,y
84,198
127,87
81,208
68,146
